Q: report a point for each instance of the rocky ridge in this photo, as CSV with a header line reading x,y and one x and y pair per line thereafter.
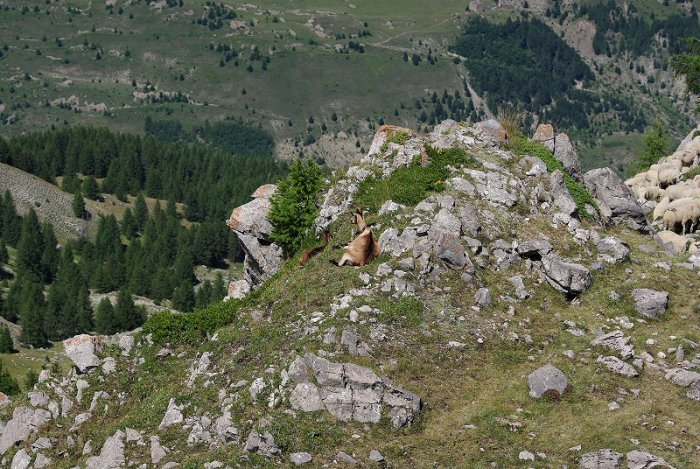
x,y
483,264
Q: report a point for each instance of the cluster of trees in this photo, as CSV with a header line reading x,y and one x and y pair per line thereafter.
x,y
629,31
525,62
146,254
209,182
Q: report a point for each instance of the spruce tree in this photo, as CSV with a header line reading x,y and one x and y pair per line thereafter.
x,y
140,212
126,314
183,297
8,384
203,295
30,246
30,379
105,322
294,207
49,255
129,226
78,205
31,314
219,288
90,189
4,256
11,223
6,343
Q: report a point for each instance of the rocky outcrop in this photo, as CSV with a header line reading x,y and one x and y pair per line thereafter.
x,y
81,350
567,277
23,423
249,222
615,200
566,154
602,459
349,392
112,454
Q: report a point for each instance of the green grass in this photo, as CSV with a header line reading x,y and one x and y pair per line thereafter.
x,y
408,185
691,174
523,146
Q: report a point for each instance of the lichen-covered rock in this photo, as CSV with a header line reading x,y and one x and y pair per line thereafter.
x,y
547,380
650,303
81,350
602,459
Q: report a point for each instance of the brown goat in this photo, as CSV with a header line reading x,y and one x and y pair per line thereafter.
x,y
307,254
364,248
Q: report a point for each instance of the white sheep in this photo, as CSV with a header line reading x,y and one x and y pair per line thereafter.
x,y
684,212
661,208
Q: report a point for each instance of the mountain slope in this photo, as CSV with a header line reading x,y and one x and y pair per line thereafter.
x,y
480,284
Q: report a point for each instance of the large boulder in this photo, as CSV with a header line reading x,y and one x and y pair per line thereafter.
x,y
561,197
81,350
249,222
643,460
616,201
650,303
23,423
548,380
112,454
567,277
545,135
566,154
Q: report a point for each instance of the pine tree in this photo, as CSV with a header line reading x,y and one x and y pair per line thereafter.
x,y
30,246
49,254
8,384
105,322
6,343
30,379
129,226
219,289
78,205
5,152
11,223
4,256
140,212
90,189
294,207
183,297
203,295
126,314
31,314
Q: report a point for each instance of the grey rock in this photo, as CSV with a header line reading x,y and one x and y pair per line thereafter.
x,y
157,451
23,423
536,167
338,401
684,378
564,152
601,459
81,351
469,217
644,460
21,460
520,290
561,197
483,297
547,380
112,454
173,415
389,207
545,135
263,445
249,222
613,250
616,365
494,187
346,458
299,459
109,365
38,398
650,303
126,343
617,341
462,185
616,201
224,428
567,277
534,248
42,461
306,397
376,456
326,372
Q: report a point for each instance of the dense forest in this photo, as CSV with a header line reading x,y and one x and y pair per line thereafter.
x,y
147,253
627,31
209,182
523,63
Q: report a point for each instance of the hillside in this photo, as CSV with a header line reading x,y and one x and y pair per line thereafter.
x,y
522,313
320,77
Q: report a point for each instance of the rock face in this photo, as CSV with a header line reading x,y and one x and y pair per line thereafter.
x,y
547,380
81,350
349,392
566,154
567,277
112,454
615,200
650,303
249,222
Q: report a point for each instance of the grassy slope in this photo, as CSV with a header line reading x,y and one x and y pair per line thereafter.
x,y
481,385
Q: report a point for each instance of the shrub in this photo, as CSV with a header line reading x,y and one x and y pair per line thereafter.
x,y
410,184
294,206
521,145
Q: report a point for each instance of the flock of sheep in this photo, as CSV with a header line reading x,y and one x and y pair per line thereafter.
x,y
675,195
